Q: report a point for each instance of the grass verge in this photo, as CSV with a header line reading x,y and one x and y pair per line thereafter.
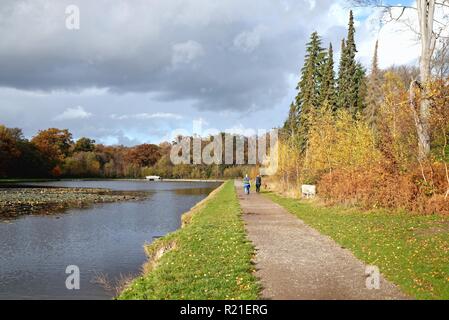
x,y
209,258
410,250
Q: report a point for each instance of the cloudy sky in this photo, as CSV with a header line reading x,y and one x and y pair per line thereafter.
x,y
137,70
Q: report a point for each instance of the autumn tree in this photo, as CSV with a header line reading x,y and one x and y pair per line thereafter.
x,y
405,73
165,148
396,134
31,163
81,164
18,157
144,155
9,152
439,121
430,29
84,145
54,144
338,141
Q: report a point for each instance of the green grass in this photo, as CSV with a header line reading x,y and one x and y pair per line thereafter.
x,y
410,250
211,259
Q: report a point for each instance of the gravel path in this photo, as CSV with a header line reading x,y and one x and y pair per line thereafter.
x,y
294,261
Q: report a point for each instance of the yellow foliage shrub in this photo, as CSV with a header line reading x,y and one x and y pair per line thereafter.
x,y
338,142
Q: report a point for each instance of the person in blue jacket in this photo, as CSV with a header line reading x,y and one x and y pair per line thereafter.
x,y
246,184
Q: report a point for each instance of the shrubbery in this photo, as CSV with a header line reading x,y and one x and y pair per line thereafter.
x,y
352,163
367,155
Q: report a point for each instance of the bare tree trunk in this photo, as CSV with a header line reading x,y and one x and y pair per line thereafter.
x,y
426,11
426,18
421,123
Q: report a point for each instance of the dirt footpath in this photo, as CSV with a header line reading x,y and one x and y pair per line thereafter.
x,y
294,261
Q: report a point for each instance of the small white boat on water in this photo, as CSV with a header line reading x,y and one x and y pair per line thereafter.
x,y
153,178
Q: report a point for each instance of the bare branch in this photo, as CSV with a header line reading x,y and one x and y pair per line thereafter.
x,y
442,4
389,8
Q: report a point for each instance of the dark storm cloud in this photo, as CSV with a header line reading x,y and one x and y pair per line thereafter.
x,y
221,54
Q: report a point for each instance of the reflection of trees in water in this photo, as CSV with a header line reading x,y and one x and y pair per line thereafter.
x,y
193,191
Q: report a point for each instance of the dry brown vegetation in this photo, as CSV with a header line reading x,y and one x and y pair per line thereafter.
x,y
375,166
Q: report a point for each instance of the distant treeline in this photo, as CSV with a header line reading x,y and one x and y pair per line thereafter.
x,y
53,153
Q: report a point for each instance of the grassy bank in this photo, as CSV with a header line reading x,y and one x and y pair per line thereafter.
x,y
410,250
209,258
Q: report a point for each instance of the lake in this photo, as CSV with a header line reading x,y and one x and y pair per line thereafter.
x,y
105,240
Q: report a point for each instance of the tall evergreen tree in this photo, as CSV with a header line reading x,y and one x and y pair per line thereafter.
x,y
328,94
350,74
360,89
351,47
308,97
342,79
374,91
291,124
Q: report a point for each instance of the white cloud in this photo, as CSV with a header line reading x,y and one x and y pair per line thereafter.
x,y
312,4
182,57
240,129
248,41
186,52
146,116
398,44
73,113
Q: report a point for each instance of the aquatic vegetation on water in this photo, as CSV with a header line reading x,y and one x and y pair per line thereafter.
x,y
15,202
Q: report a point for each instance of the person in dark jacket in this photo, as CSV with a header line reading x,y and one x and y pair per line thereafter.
x,y
246,184
258,183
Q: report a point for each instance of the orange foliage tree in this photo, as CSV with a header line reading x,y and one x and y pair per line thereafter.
x,y
9,151
54,144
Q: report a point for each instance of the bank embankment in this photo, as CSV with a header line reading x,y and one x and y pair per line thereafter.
x,y
208,258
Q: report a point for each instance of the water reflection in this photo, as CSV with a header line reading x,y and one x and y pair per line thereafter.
x,y
104,239
192,192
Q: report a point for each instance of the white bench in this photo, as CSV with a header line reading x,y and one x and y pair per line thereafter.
x,y
153,178
308,191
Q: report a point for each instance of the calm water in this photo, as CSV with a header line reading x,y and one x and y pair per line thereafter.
x,y
105,239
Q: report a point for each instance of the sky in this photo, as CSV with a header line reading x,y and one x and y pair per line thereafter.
x,y
141,71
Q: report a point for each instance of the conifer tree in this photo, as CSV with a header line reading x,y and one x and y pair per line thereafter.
x,y
328,91
342,79
374,91
351,75
291,124
308,97
360,89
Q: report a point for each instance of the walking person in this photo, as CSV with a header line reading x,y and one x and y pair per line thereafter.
x,y
246,184
258,183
